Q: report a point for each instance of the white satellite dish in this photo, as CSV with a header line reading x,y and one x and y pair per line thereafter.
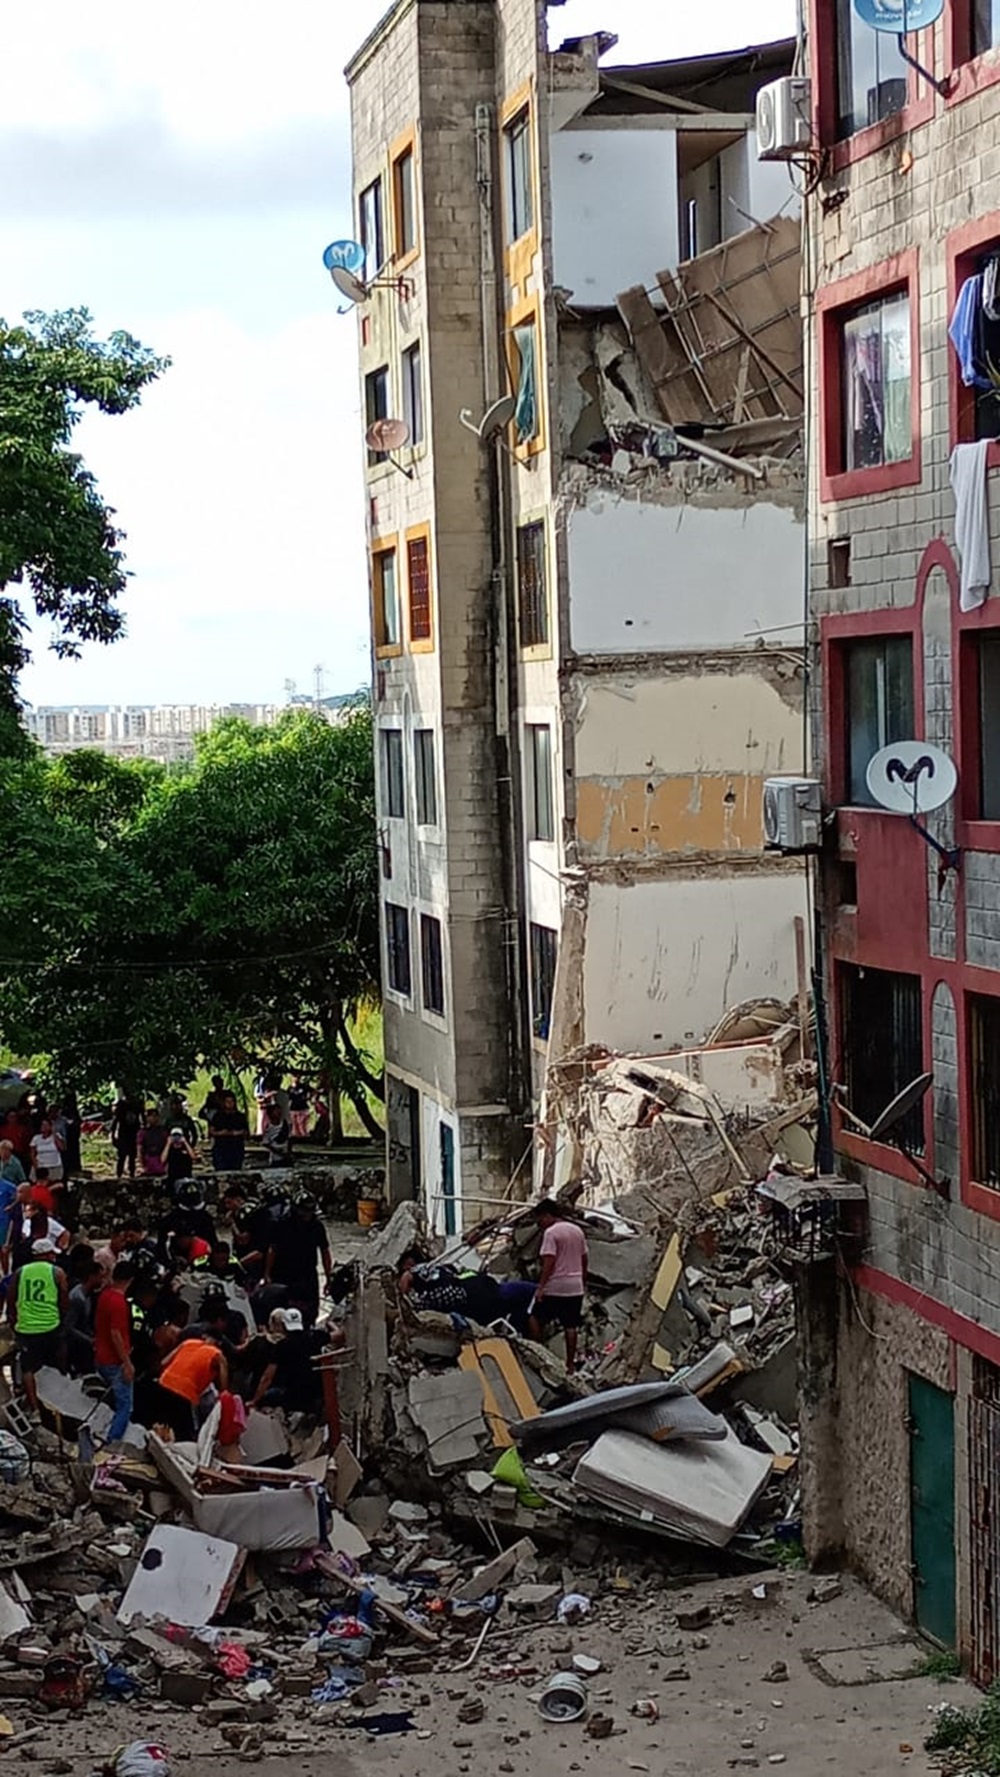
x,y
912,777
496,418
388,435
348,284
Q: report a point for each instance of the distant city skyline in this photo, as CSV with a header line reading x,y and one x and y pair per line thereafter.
x,y
187,195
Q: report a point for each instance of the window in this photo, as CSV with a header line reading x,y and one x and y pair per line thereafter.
x,y
878,705
377,405
540,812
418,575
385,596
413,394
397,947
883,1049
532,597
984,1088
544,943
404,204
987,648
370,220
393,781
979,400
872,77
984,26
519,212
431,964
526,410
875,382
424,777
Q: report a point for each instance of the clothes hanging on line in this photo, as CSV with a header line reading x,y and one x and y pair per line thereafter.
x,y
968,470
975,332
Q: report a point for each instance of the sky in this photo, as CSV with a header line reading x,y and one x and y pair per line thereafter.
x,y
178,171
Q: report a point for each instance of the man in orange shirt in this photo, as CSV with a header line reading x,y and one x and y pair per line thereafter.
x,y
194,1367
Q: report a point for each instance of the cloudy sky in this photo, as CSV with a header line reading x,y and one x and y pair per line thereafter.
x,y
178,170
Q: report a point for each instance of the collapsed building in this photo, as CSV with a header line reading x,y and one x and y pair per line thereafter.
x,y
579,299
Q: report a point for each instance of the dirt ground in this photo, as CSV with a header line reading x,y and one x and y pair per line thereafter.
x,y
724,1703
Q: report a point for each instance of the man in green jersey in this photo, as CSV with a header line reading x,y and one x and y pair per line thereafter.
x,y
38,1299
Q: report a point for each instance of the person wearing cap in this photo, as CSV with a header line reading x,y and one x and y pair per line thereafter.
x,y
288,1379
37,1301
178,1155
297,1245
113,1347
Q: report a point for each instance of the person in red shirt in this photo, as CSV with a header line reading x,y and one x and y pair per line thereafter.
x,y
113,1347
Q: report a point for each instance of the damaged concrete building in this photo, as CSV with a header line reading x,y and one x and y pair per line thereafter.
x,y
580,295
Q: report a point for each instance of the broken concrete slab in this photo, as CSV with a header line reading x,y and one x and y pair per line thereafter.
x,y
182,1576
620,1264
873,1664
368,1512
14,1619
448,1410
348,1473
346,1539
521,1555
387,1246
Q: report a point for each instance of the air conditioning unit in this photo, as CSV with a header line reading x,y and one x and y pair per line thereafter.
x,y
784,126
793,814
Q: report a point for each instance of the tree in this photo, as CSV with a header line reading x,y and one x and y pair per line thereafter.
x,y
229,909
57,536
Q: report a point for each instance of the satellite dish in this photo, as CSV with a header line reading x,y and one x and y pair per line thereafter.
x,y
497,417
911,777
349,284
387,435
345,256
899,16
900,1106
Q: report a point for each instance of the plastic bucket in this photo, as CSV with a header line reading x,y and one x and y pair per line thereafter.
x,y
368,1211
564,1698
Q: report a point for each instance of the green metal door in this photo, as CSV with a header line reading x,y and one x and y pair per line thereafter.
x,y
932,1508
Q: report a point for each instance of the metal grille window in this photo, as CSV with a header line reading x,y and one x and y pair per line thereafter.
x,y
425,777
984,1089
872,77
432,964
370,219
540,810
532,593
386,599
397,948
519,210
393,782
418,574
878,705
413,394
987,648
882,1044
377,405
544,946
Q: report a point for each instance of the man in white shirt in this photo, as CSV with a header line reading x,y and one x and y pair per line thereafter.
x,y
47,1152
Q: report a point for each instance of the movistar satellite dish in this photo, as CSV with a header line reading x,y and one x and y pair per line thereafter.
x,y
347,255
349,284
899,16
387,435
911,777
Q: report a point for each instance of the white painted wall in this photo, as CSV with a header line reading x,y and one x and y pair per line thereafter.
x,y
614,210
711,722
431,1118
680,577
663,960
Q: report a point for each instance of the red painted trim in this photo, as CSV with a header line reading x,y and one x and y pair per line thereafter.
x,y
919,108
967,1333
962,246
832,301
856,626
875,1153
968,75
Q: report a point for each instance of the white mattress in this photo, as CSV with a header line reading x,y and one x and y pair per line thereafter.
x,y
699,1490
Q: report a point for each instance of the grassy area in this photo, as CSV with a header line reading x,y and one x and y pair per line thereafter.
x,y
968,1740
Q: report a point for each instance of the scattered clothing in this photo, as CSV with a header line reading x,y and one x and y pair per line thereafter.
x,y
972,533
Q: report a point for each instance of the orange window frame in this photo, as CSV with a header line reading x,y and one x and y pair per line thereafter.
x,y
531,310
420,644
518,255
404,145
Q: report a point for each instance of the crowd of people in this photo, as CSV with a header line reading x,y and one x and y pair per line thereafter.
x,y
163,1140
149,1312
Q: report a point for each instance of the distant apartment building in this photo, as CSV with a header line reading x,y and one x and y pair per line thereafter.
x,y
163,731
587,605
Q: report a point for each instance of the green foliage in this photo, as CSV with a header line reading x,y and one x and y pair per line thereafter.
x,y
970,1738
227,913
940,1665
57,536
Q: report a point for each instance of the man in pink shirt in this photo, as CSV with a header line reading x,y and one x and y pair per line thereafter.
x,y
561,1286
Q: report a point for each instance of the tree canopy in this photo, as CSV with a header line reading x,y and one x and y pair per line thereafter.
x,y
225,912
58,538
